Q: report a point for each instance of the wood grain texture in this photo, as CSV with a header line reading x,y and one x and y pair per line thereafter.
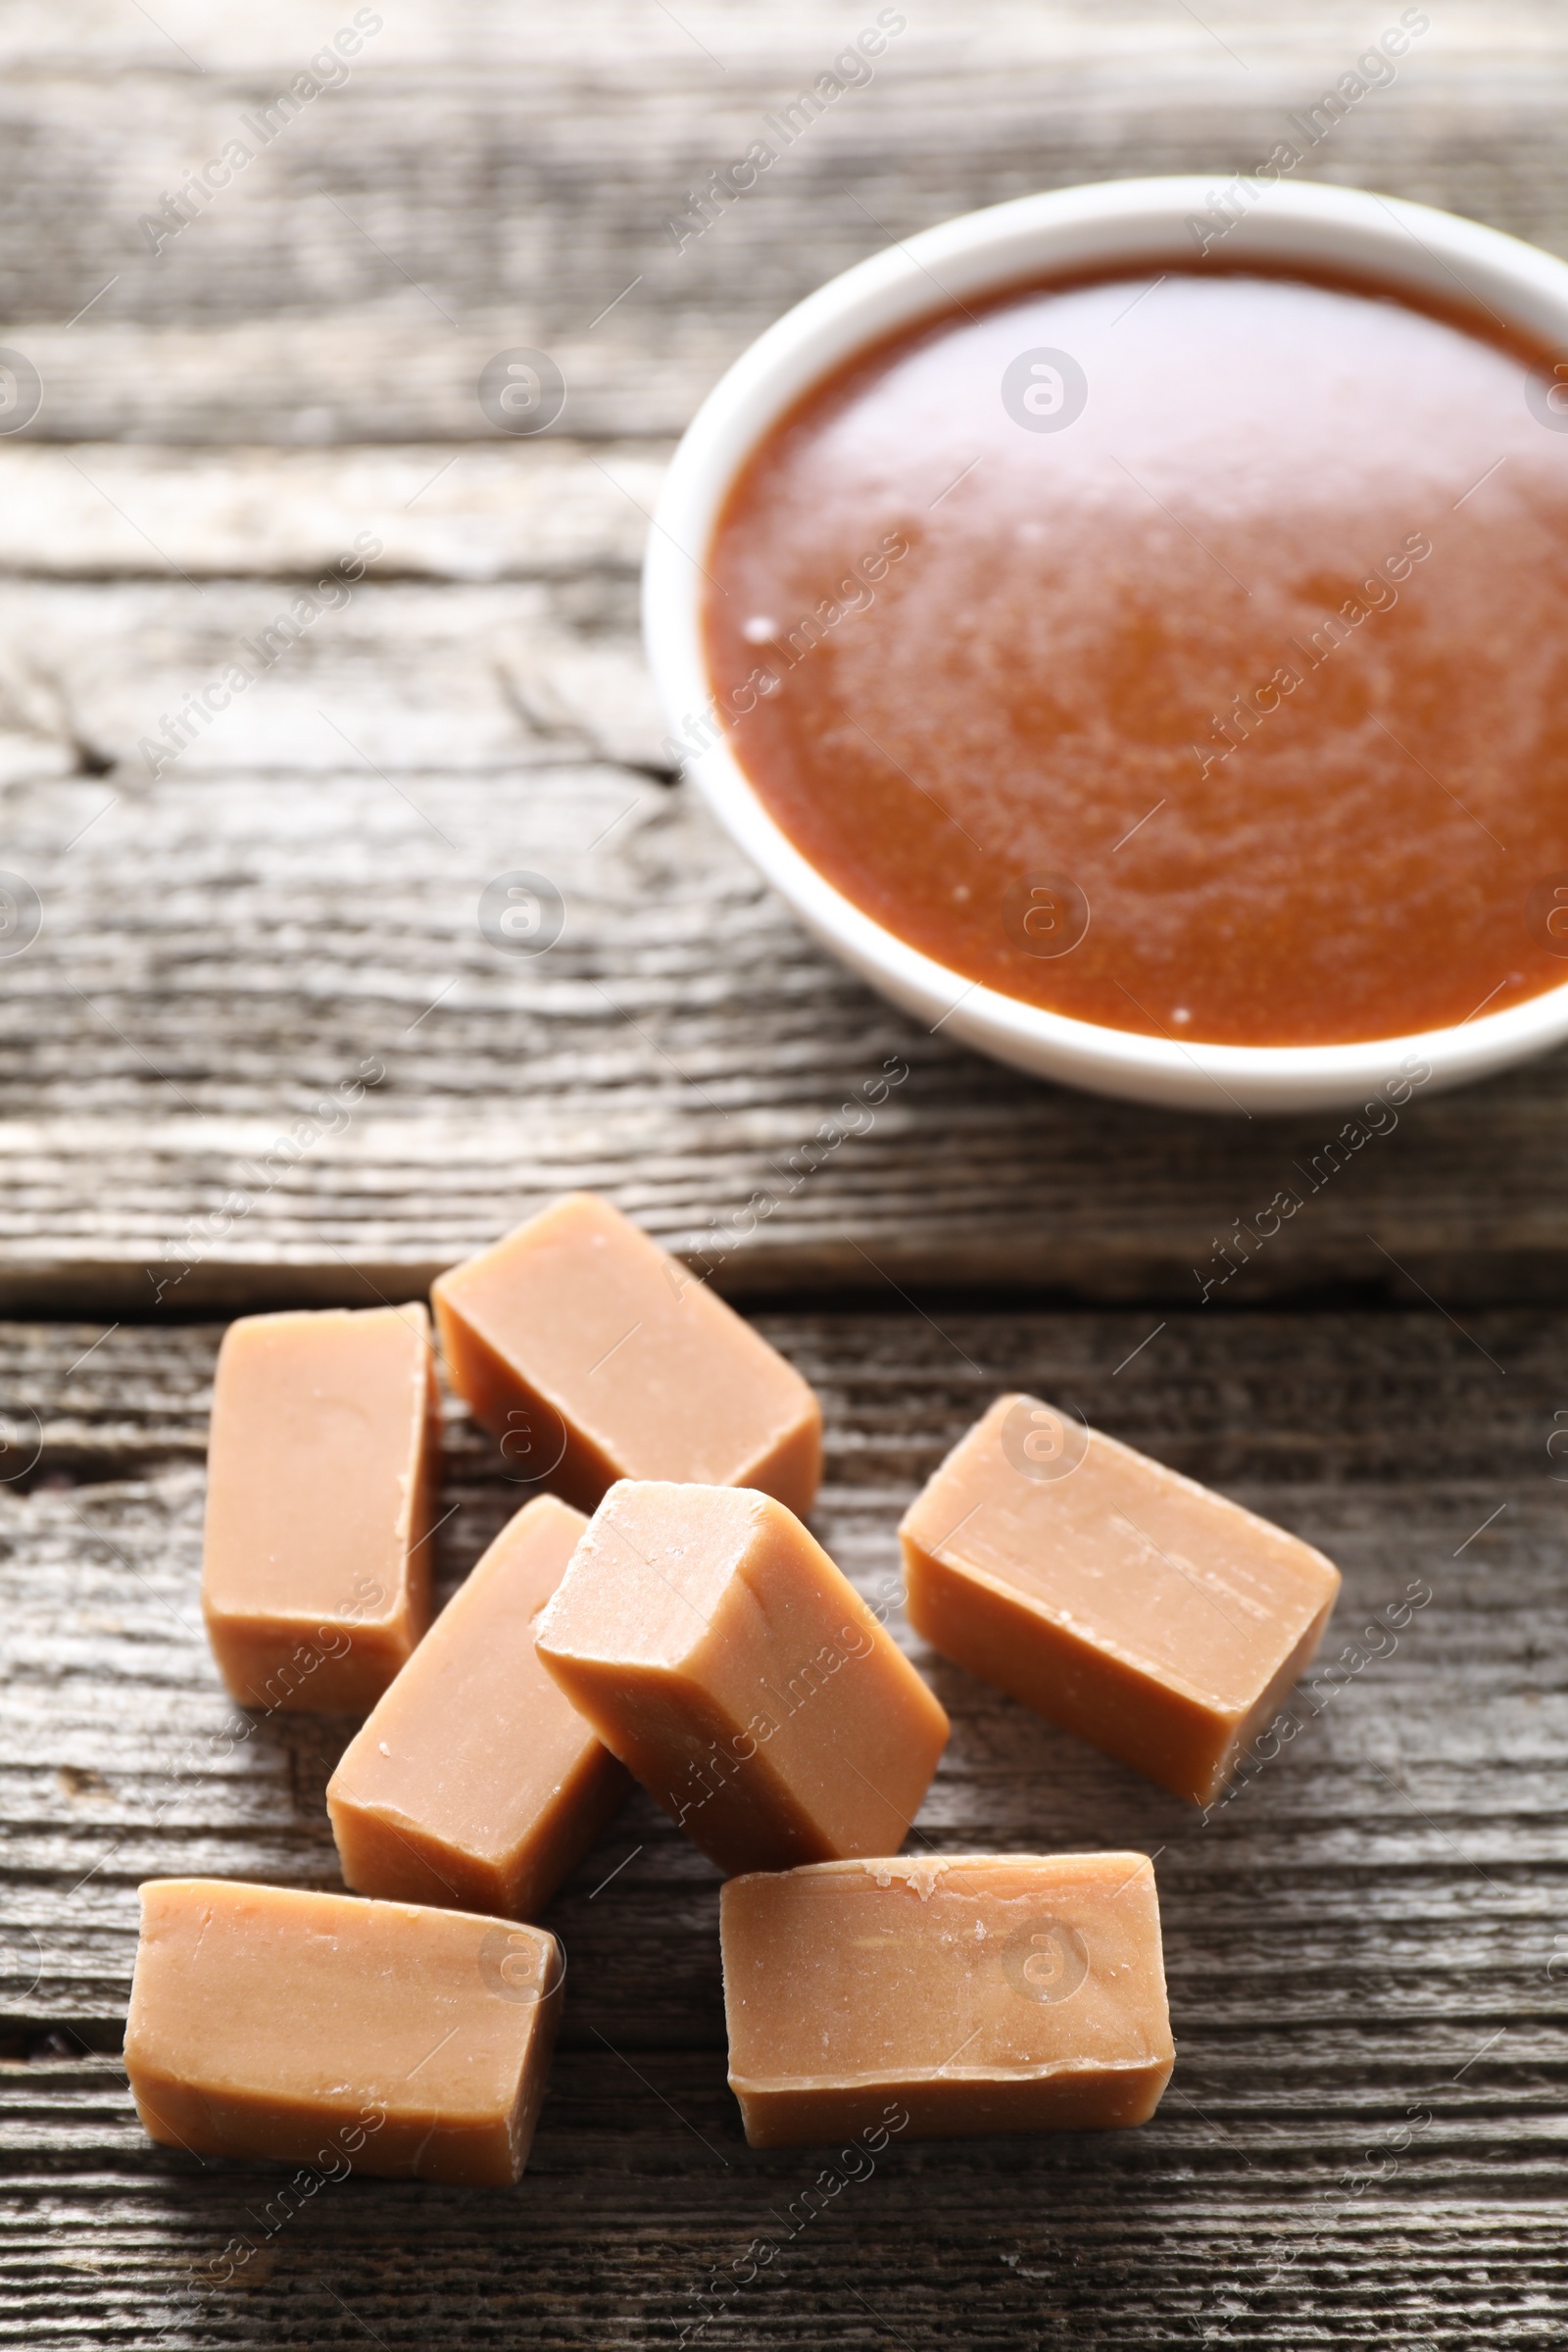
x,y
209,963
413,677
551,508
483,182
1365,2142
222,954
1365,1944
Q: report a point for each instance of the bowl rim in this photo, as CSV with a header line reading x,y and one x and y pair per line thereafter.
x,y
1112,224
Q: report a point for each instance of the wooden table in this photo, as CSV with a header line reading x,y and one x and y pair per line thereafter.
x,y
1364,2142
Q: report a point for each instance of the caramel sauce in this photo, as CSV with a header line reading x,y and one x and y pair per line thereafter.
x,y
1185,654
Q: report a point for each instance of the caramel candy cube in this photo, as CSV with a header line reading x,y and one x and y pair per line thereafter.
x,y
474,1781
1123,1600
591,1354
945,1997
345,2036
321,1472
716,1650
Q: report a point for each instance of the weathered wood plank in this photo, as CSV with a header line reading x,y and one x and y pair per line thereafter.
x,y
405,676
1365,2138
461,196
1371,1931
1063,2256
1455,1737
524,509
219,955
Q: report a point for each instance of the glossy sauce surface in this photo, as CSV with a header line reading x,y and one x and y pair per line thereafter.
x,y
1188,654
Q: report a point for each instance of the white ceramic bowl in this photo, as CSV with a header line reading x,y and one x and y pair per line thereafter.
x,y
1408,246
